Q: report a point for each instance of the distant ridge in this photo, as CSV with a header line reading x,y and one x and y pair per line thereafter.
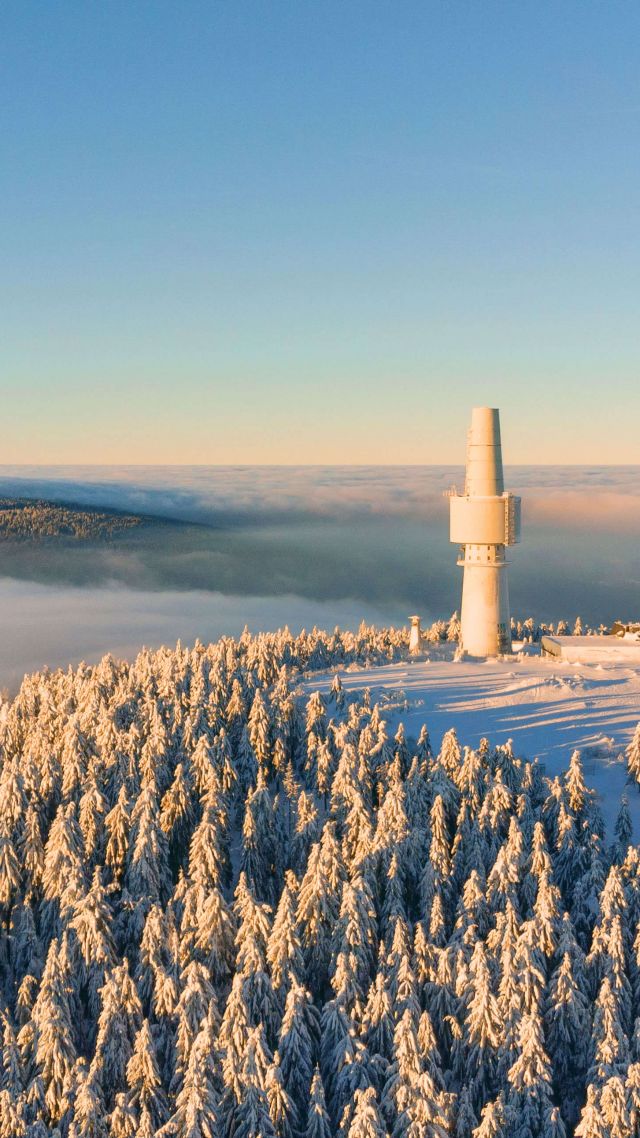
x,y
39,519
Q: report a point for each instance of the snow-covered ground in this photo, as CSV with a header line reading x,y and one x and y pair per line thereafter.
x,y
548,707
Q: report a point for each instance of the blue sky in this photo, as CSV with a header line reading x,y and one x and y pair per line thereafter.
x,y
318,232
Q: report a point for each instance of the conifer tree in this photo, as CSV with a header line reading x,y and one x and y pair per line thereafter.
x,y
63,877
89,1116
195,1115
281,1108
424,750
117,823
306,832
366,1121
118,1024
10,875
298,1047
246,764
453,628
93,808
91,924
592,1124
143,1077
252,1117
450,753
284,949
482,1019
195,999
337,691
623,832
494,1121
567,1025
259,730
261,857
123,1120
379,1025
214,935
318,1124
318,909
575,784
466,1121
633,756
54,1047
147,872
233,1040
32,848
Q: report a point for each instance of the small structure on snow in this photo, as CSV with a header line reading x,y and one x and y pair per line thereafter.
x,y
415,636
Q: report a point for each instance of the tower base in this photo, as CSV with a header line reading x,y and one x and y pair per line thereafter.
x,y
484,617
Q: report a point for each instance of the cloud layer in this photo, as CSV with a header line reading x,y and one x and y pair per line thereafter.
x,y
573,496
335,541
56,627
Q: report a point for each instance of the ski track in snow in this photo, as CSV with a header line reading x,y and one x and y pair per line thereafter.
x,y
548,707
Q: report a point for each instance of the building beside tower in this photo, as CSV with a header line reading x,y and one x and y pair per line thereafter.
x,y
483,522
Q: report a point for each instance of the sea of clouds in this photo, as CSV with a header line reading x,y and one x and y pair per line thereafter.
x,y
573,496
299,545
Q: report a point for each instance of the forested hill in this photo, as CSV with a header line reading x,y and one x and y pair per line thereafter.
x,y
23,519
231,910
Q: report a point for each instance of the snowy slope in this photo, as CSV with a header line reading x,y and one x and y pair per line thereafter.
x,y
547,707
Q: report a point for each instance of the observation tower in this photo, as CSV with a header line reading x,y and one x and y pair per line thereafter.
x,y
484,521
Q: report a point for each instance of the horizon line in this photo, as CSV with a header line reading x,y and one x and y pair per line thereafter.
x,y
304,465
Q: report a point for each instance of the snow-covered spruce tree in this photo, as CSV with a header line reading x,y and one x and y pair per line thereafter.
x,y
254,927
319,907
146,1094
318,1123
284,948
567,1030
196,1000
633,756
195,1114
261,853
281,1108
623,831
53,1050
252,1117
119,1021
454,628
482,1023
366,1121
298,1047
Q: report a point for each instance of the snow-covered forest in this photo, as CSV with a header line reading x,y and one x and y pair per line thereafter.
x,y
22,519
229,909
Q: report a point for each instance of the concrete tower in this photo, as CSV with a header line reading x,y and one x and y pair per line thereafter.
x,y
484,520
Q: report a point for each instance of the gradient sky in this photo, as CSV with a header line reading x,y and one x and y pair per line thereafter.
x,y
318,231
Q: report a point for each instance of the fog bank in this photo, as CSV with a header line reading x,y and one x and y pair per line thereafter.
x,y
45,626
605,496
277,545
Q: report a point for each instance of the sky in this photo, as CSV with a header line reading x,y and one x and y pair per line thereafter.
x,y
291,232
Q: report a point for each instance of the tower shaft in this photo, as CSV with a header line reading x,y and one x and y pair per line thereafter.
x,y
483,522
485,619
